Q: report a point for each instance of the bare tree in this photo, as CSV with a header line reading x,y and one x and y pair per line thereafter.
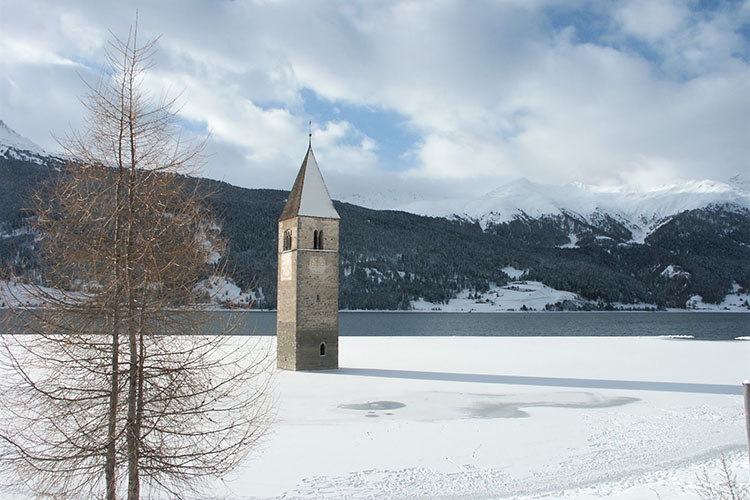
x,y
121,389
725,488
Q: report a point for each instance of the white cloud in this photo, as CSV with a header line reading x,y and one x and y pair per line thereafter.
x,y
652,21
491,90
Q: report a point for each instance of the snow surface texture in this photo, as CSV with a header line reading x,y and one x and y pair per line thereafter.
x,y
531,418
315,200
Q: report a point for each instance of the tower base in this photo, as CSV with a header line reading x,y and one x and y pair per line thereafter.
x,y
308,350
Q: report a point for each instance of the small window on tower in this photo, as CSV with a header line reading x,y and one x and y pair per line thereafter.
x,y
318,240
288,239
322,349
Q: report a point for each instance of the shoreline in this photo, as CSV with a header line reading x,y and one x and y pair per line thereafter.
x,y
415,311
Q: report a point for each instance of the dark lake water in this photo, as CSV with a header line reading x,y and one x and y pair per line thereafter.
x,y
702,326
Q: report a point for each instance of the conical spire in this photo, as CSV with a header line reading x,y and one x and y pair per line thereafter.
x,y
309,196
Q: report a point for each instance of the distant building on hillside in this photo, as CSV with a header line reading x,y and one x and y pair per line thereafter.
x,y
307,324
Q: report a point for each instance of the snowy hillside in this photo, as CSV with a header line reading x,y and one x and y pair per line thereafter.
x,y
17,147
515,296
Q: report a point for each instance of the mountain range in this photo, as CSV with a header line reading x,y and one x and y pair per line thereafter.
x,y
639,212
615,246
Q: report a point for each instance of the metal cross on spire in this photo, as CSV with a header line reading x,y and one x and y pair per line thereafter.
x,y
310,134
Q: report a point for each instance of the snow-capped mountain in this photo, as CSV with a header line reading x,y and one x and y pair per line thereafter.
x,y
637,212
14,146
641,212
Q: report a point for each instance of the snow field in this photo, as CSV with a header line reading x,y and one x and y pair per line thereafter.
x,y
469,417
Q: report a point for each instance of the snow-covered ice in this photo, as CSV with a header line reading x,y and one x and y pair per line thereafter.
x,y
531,418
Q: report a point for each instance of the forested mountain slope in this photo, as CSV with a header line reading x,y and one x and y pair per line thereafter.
x,y
390,258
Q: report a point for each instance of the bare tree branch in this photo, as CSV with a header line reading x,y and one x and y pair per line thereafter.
x,y
117,388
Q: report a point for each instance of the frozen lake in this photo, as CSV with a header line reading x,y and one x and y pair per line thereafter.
x,y
527,418
524,406
700,325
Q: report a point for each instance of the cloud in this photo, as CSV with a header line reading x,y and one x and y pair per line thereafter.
x,y
477,93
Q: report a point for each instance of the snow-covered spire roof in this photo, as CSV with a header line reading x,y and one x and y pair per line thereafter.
x,y
309,195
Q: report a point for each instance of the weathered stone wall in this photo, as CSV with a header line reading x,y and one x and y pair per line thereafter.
x,y
286,315
308,296
306,227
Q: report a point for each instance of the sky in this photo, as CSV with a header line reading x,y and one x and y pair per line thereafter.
x,y
413,99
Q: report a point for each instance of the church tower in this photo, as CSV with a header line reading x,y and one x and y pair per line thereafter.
x,y
307,318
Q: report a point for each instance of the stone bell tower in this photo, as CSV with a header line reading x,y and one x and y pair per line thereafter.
x,y
307,319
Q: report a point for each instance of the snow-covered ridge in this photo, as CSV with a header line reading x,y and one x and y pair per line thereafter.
x,y
10,139
14,146
640,211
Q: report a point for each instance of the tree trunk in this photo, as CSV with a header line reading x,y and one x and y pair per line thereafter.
x,y
110,462
133,437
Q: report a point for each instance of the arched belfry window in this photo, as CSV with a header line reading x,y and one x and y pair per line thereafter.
x,y
288,239
322,349
318,240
